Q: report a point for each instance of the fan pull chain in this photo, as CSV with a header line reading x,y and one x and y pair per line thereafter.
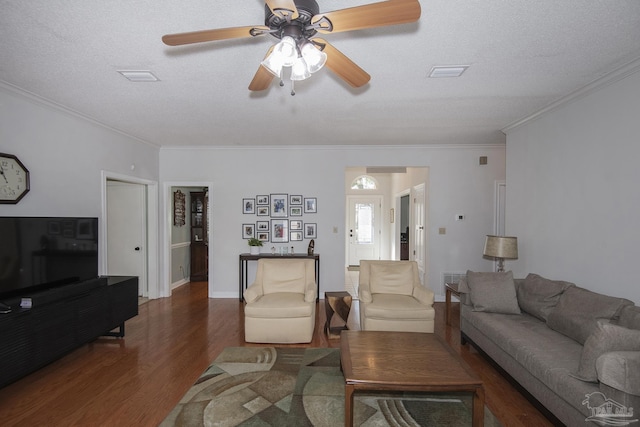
x,y
293,89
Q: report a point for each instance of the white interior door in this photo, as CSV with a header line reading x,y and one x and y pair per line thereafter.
x,y
419,232
126,232
363,228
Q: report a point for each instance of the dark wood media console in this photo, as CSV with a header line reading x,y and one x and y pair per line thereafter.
x,y
62,319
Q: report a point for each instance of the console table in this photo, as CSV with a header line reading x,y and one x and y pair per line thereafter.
x,y
245,258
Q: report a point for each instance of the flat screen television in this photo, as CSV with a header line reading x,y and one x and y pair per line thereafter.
x,y
38,253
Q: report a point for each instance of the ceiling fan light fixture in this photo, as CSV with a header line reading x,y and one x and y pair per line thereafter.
x,y
300,70
288,49
273,63
315,58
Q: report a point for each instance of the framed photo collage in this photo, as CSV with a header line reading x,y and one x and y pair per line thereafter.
x,y
280,217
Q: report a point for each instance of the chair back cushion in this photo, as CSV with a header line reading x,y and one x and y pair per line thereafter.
x,y
391,278
285,275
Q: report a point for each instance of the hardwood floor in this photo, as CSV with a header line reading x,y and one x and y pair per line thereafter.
x,y
137,380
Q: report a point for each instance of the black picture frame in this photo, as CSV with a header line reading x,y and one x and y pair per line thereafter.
x,y
310,205
263,236
262,210
279,203
295,236
248,231
295,225
248,206
295,210
310,230
262,226
280,230
262,199
295,199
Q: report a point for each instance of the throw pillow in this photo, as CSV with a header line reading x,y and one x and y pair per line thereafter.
x,y
538,296
605,338
493,292
579,310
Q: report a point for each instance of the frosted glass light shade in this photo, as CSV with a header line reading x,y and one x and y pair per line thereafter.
x,y
315,58
299,70
288,49
273,63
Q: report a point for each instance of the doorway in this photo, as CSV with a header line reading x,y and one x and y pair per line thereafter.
x,y
363,228
129,230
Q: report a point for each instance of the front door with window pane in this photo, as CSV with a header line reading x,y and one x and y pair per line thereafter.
x,y
363,228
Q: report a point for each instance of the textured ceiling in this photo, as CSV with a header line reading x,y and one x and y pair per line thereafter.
x,y
523,55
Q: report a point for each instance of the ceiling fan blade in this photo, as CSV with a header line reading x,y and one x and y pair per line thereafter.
x,y
214,35
286,9
263,77
345,68
389,12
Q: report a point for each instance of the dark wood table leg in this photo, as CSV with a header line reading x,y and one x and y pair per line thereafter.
x,y
348,405
478,407
447,306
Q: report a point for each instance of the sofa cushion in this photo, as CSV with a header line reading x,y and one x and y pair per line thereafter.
x,y
391,278
285,276
492,292
578,311
605,338
538,296
620,370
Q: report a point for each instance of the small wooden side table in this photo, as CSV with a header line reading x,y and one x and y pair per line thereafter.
x,y
450,288
338,303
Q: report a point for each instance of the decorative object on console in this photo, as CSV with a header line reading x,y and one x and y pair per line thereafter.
x,y
501,248
311,247
14,179
254,246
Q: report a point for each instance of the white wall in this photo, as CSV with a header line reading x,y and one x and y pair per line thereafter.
x,y
573,191
457,185
65,155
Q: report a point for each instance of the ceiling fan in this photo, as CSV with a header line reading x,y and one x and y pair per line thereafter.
x,y
295,23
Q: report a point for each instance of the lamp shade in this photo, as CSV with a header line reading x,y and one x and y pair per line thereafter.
x,y
314,57
299,70
501,247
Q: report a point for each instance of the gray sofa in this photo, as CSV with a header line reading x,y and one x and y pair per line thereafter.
x,y
575,351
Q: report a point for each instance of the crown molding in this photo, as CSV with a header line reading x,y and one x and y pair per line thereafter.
x,y
335,147
596,85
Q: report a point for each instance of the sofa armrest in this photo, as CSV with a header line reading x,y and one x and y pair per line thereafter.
x,y
365,296
620,370
424,295
252,293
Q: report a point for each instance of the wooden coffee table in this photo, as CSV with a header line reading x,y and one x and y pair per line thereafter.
x,y
404,361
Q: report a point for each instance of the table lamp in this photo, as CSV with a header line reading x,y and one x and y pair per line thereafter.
x,y
501,248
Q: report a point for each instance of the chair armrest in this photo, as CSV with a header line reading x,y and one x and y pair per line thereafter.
x,y
252,293
424,295
620,370
365,296
310,295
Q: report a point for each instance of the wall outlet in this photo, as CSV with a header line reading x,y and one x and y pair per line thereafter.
x,y
442,230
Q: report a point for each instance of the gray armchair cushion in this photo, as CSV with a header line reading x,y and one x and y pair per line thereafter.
x,y
605,338
578,311
492,292
538,296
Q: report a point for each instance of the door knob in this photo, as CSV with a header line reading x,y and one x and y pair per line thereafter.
x,y
137,248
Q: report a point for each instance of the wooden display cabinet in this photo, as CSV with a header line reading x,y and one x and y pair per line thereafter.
x,y
199,240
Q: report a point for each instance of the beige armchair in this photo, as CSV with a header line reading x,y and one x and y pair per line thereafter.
x,y
393,299
281,303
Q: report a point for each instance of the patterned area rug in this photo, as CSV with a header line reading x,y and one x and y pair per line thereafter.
x,y
271,386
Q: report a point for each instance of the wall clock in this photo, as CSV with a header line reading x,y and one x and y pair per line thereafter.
x,y
14,179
